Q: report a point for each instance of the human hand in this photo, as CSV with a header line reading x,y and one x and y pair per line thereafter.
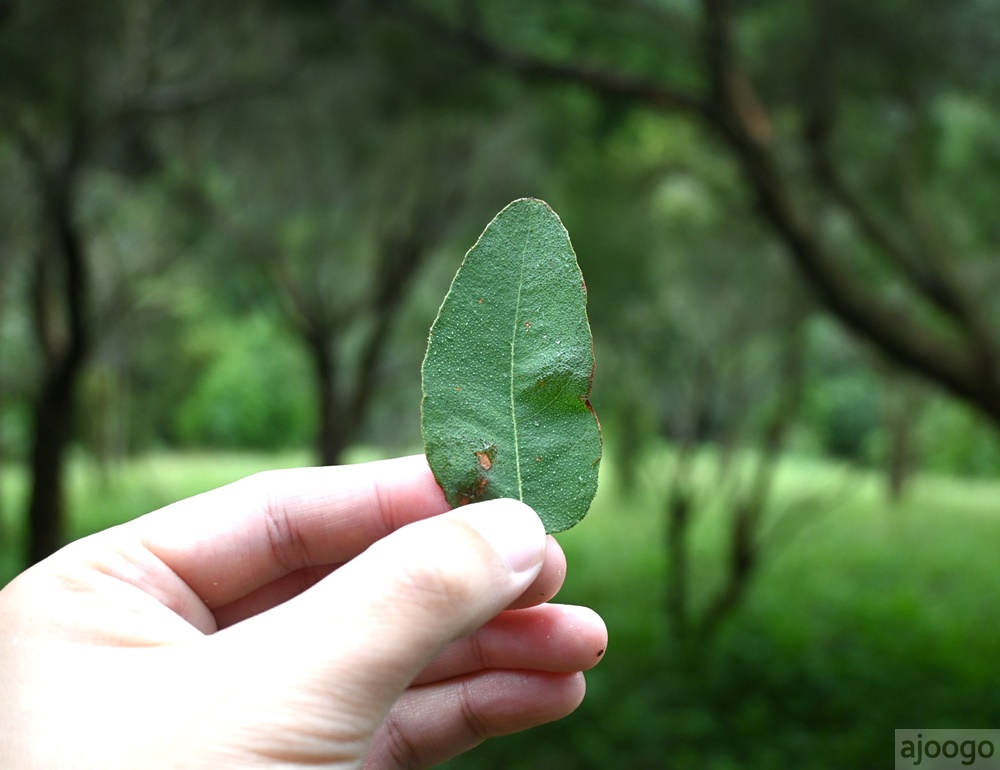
x,y
322,617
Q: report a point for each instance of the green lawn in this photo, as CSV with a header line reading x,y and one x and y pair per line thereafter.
x,y
865,617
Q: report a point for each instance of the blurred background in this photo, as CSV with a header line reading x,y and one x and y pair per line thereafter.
x,y
226,227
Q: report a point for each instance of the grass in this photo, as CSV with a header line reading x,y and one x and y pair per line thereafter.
x,y
863,618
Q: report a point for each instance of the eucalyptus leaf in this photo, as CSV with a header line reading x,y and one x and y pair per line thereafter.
x,y
508,371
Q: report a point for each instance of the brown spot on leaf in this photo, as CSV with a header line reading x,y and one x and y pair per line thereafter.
x,y
480,300
474,493
473,488
458,388
487,455
538,459
527,324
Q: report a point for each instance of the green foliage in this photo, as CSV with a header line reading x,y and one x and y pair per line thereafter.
x,y
861,620
843,411
508,371
14,430
951,439
255,393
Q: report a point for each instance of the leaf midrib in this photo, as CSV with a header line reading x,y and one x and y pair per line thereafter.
x,y
513,346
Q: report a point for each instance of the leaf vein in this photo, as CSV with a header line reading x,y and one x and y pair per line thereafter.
x,y
551,401
513,348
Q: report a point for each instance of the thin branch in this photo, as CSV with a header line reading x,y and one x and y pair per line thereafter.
x,y
826,174
718,49
309,314
750,504
530,67
401,257
930,281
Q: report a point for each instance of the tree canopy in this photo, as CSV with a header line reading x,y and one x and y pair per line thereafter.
x,y
201,202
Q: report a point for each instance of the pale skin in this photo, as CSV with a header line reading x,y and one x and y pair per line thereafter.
x,y
321,618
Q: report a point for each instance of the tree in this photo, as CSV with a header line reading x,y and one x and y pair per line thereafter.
x,y
82,87
923,312
306,273
338,225
721,358
342,189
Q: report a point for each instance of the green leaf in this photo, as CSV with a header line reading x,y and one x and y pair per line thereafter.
x,y
508,370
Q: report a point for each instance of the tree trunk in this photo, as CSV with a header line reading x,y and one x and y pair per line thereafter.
x,y
62,327
54,411
53,418
335,431
898,462
901,414
742,563
678,585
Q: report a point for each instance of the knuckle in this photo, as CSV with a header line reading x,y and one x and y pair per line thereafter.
x,y
402,752
286,544
479,652
476,725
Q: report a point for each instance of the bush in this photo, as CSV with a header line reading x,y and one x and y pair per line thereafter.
x,y
256,393
951,439
844,412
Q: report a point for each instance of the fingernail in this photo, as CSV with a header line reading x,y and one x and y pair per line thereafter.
x,y
514,531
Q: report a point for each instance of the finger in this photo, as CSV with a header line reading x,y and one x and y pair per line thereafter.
x,y
271,595
434,723
552,637
231,541
549,580
546,585
370,627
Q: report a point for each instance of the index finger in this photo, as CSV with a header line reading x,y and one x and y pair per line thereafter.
x,y
228,542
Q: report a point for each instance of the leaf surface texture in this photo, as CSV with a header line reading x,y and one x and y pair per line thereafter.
x,y
508,371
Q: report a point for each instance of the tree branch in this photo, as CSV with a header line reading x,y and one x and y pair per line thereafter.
x,y
530,67
930,281
938,358
735,115
898,335
735,104
401,257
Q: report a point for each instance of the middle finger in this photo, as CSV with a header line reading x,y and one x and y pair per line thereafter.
x,y
551,637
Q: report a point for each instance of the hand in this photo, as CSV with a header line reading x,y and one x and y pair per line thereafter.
x,y
322,617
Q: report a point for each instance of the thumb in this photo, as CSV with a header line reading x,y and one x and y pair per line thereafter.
x,y
361,635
